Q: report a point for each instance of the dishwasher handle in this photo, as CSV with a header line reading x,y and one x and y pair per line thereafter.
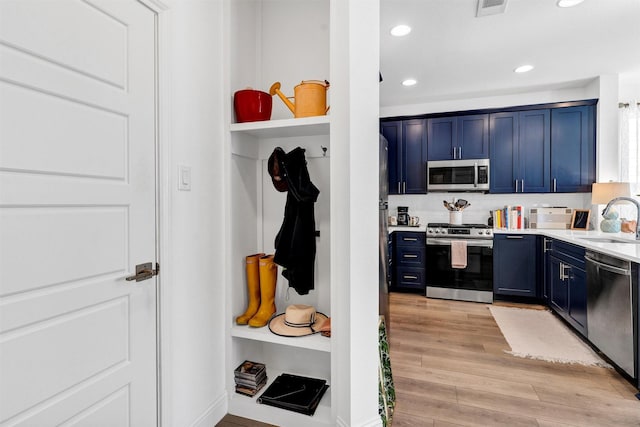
x,y
607,267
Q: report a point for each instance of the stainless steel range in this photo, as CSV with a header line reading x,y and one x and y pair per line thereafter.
x,y
468,275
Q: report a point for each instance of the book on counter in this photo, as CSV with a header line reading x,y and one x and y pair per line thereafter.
x,y
295,393
509,218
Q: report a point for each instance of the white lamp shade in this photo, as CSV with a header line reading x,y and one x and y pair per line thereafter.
x,y
603,192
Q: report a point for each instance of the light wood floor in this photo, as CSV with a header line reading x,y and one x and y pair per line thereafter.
x,y
450,369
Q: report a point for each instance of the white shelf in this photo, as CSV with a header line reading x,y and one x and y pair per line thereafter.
x,y
312,342
305,126
247,406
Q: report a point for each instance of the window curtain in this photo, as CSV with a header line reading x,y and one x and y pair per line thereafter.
x,y
629,141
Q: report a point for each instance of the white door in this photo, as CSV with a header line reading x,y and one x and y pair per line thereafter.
x,y
77,213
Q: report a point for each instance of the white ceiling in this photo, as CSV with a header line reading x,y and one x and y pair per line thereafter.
x,y
454,55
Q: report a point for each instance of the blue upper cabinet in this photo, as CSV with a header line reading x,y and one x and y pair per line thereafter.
x,y
407,155
473,137
441,138
503,142
534,145
573,149
392,131
520,151
415,156
462,137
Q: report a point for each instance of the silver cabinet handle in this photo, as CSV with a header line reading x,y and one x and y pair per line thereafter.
x,y
454,152
515,237
555,187
522,185
404,186
398,187
564,269
409,239
410,277
516,185
410,256
544,246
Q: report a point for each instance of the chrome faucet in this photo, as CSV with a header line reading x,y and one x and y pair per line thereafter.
x,y
628,199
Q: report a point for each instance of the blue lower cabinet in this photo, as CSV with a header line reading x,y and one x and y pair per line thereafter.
x,y
409,252
515,266
567,282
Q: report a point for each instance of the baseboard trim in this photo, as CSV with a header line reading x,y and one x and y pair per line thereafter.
x,y
214,413
376,422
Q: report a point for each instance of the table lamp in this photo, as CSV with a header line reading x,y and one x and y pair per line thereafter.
x,y
601,194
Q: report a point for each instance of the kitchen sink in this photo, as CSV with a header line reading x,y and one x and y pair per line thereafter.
x,y
609,240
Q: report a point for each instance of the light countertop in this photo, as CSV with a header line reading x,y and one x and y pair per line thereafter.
x,y
629,251
420,228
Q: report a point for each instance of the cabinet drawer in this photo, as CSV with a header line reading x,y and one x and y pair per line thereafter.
x,y
408,277
569,253
408,238
411,256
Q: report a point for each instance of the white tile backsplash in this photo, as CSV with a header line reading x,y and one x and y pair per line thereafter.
x,y
429,207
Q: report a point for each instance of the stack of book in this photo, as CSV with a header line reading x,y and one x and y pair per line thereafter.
x,y
295,393
509,218
250,377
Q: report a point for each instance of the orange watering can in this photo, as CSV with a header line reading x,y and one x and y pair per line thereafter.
x,y
310,98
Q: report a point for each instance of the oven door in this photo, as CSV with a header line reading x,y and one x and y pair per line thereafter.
x,y
473,283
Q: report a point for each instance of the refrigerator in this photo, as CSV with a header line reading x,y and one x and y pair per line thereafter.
x,y
384,277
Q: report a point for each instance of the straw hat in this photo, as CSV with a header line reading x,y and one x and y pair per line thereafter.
x,y
298,320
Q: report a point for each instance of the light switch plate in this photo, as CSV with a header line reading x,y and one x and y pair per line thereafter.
x,y
184,178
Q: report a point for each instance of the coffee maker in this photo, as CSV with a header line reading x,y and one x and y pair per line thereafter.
x,y
403,215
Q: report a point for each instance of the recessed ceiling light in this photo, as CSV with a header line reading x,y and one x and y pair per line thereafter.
x,y
400,30
569,3
523,68
409,82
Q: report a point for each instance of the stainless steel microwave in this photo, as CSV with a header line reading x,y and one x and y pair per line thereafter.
x,y
458,175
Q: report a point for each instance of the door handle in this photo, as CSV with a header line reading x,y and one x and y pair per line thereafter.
x,y
143,272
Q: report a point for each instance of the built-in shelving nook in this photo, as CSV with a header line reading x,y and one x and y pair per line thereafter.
x,y
269,41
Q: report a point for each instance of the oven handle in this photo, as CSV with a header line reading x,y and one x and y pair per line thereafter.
x,y
483,243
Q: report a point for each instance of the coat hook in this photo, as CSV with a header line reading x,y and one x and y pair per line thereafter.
x,y
324,151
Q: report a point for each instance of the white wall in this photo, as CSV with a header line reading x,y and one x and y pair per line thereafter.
x,y
193,293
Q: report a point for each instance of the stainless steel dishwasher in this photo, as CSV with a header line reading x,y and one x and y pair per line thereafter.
x,y
610,308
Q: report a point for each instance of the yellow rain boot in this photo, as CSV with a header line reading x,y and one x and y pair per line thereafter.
x,y
268,279
253,288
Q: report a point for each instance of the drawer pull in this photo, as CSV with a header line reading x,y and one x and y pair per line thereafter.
x,y
409,239
410,277
409,256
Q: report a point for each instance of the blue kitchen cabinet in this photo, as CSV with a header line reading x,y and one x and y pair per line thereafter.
x,y
503,143
392,131
460,137
515,265
409,256
567,281
573,153
407,155
520,147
